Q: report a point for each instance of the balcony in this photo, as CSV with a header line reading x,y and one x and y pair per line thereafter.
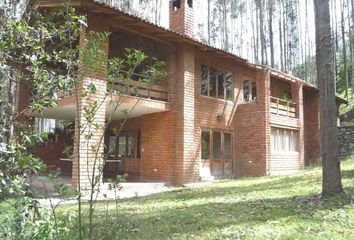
x,y
137,89
282,107
138,99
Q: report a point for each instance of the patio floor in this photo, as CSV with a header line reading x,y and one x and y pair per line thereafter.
x,y
45,189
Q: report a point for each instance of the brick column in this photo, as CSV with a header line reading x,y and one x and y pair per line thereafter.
x,y
186,167
89,138
297,96
263,98
23,96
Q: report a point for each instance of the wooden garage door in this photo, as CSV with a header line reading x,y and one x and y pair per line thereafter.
x,y
285,156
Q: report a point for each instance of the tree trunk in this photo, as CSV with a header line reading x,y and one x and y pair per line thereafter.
x,y
209,21
281,39
328,109
352,43
270,26
345,59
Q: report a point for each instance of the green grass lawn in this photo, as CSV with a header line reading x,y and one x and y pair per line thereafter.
x,y
285,207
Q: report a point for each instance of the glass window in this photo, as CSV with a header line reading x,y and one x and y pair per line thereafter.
x,y
205,144
216,83
139,145
112,146
228,87
284,140
216,145
204,81
130,147
122,146
212,82
221,88
227,146
254,91
246,93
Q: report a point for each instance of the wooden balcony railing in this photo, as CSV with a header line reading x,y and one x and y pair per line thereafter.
x,y
156,92
282,107
138,89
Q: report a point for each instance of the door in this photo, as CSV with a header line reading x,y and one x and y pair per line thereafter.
x,y
216,153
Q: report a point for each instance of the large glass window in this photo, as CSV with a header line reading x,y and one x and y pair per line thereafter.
x,y
216,145
212,82
122,146
246,90
112,146
205,144
216,83
229,87
221,145
284,140
130,145
254,91
249,91
204,81
227,146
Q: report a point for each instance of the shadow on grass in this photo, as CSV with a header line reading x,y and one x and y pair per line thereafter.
x,y
187,220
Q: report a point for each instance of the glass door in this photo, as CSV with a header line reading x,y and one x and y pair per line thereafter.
x,y
216,153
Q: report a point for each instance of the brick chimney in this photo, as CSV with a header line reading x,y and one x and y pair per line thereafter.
x,y
182,17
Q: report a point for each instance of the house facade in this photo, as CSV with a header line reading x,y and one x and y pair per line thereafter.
x,y
213,115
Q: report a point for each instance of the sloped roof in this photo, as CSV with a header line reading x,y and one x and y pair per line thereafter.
x,y
94,5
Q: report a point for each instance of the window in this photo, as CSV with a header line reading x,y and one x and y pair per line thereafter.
x,y
205,144
112,146
125,145
216,83
249,91
216,145
176,5
246,89
122,146
46,125
284,140
227,146
254,91
221,145
130,145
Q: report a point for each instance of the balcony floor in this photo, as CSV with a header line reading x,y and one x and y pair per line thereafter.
x,y
129,106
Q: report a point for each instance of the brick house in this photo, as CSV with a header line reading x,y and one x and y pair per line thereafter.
x,y
214,115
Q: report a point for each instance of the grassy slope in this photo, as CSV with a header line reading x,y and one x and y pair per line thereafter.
x,y
286,207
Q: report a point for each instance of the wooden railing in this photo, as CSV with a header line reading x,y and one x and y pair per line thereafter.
x,y
138,89
282,107
156,92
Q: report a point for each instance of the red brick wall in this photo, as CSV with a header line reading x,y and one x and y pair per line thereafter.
x,y
23,96
182,20
279,87
252,138
157,144
311,126
51,153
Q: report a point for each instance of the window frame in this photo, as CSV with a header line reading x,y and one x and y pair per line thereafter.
x,y
136,135
222,144
286,140
251,96
218,73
